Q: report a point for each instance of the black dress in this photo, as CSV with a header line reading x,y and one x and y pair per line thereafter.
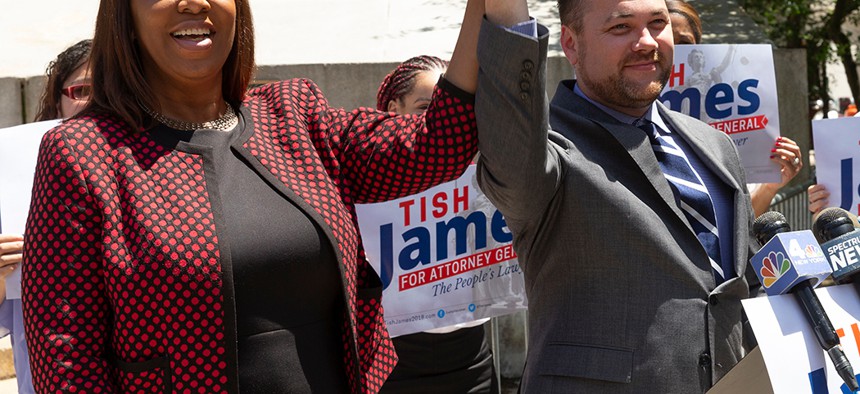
x,y
289,300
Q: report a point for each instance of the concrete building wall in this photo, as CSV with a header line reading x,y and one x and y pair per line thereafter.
x,y
32,91
348,85
793,89
11,102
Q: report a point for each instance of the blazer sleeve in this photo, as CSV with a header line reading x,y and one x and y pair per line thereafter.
x,y
379,156
66,312
517,162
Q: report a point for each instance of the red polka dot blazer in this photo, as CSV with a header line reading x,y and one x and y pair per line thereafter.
x,y
126,288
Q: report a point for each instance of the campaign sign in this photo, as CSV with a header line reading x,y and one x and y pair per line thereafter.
x,y
789,258
792,355
444,257
19,149
837,159
732,88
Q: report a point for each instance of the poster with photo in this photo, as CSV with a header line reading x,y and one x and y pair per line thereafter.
x,y
732,87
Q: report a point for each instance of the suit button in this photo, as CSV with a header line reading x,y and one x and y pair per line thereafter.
x,y
713,300
524,96
704,359
525,85
528,65
525,75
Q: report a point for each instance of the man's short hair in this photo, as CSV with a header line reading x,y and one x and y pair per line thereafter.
x,y
571,13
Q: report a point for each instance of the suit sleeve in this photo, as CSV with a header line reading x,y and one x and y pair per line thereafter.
x,y
517,163
380,156
65,307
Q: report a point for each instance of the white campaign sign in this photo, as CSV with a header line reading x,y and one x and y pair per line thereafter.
x,y
444,256
837,159
19,149
795,361
733,88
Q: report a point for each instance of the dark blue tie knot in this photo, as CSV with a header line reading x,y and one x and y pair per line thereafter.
x,y
648,127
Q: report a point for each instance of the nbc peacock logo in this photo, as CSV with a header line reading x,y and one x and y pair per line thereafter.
x,y
773,267
813,251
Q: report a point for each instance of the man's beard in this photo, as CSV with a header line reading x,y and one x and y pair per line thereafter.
x,y
618,91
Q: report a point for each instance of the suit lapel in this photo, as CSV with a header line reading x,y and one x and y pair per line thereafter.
x,y
570,109
639,148
567,104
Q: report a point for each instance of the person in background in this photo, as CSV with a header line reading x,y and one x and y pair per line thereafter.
x,y
68,87
408,89
66,92
454,359
686,24
145,267
687,29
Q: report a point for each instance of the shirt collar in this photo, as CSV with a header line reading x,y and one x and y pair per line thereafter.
x,y
651,115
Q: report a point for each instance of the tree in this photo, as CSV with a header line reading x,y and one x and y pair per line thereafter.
x,y
817,26
842,43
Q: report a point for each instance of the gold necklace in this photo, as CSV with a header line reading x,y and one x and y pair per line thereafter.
x,y
225,122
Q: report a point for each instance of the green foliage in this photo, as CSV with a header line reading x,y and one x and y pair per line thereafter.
x,y
814,25
789,23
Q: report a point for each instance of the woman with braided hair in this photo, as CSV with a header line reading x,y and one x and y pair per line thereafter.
x,y
455,359
407,89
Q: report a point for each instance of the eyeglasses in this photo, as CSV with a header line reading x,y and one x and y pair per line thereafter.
x,y
78,92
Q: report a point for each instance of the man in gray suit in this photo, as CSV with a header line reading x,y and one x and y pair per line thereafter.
x,y
634,272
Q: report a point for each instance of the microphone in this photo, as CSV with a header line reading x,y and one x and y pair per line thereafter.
x,y
792,262
787,258
834,230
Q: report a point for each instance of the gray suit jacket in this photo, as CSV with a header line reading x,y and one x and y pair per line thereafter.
x,y
622,298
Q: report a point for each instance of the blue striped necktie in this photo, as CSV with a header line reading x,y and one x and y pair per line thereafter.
x,y
690,194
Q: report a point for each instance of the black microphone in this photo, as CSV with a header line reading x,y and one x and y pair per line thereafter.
x,y
795,257
834,230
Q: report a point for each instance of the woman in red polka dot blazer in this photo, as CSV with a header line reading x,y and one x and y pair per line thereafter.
x,y
188,236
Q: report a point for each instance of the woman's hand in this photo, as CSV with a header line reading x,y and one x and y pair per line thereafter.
x,y
787,154
818,198
463,67
11,247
